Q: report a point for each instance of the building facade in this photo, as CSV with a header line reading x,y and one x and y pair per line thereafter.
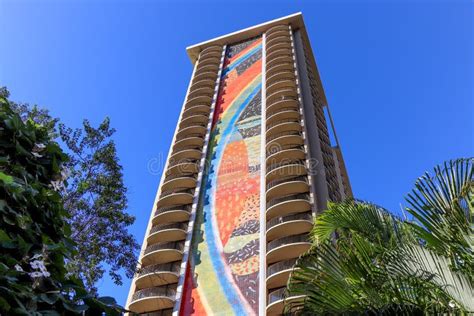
x,y
253,160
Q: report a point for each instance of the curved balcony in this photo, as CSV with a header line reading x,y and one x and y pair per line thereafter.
x,y
214,61
281,95
276,42
277,36
200,109
276,300
163,252
175,196
205,83
282,127
211,53
275,53
281,75
294,224
207,65
287,186
198,119
285,58
204,91
277,32
200,99
193,140
275,28
287,163
186,132
172,214
278,273
269,125
180,155
182,167
284,114
211,48
205,73
284,139
286,169
295,203
153,299
279,45
282,105
272,150
287,247
290,154
287,66
282,84
167,232
179,181
157,274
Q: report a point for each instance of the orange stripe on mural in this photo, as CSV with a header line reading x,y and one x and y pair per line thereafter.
x,y
245,51
235,85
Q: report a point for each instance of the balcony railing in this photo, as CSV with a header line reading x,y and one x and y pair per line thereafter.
x,y
273,183
284,74
186,208
274,97
173,267
291,120
294,217
286,241
281,266
182,226
176,245
299,196
175,191
276,149
285,163
189,135
276,295
285,133
277,39
180,161
176,176
288,65
166,291
272,104
283,109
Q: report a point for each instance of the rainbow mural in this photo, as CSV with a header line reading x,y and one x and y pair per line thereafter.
x,y
222,275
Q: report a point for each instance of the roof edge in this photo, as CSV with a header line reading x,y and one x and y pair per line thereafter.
x,y
295,20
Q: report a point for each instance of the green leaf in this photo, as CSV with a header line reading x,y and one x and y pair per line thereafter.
x,y
6,178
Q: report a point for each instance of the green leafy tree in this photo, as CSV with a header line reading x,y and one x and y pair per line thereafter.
x,y
364,260
96,200
95,197
34,233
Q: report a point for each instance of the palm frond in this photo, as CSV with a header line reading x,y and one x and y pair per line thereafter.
x,y
443,207
374,266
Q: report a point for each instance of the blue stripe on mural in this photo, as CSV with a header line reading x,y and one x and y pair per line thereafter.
x,y
216,259
242,59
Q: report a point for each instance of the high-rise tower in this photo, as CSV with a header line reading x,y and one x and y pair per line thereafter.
x,y
253,160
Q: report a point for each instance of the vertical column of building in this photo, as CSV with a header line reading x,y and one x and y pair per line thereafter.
x,y
333,182
156,281
211,51
288,203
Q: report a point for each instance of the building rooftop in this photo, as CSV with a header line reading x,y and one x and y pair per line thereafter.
x,y
295,20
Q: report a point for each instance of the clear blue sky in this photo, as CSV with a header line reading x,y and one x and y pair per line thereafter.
x,y
398,78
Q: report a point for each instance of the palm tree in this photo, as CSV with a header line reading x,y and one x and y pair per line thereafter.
x,y
365,260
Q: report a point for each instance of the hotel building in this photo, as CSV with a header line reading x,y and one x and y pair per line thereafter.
x,y
253,160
